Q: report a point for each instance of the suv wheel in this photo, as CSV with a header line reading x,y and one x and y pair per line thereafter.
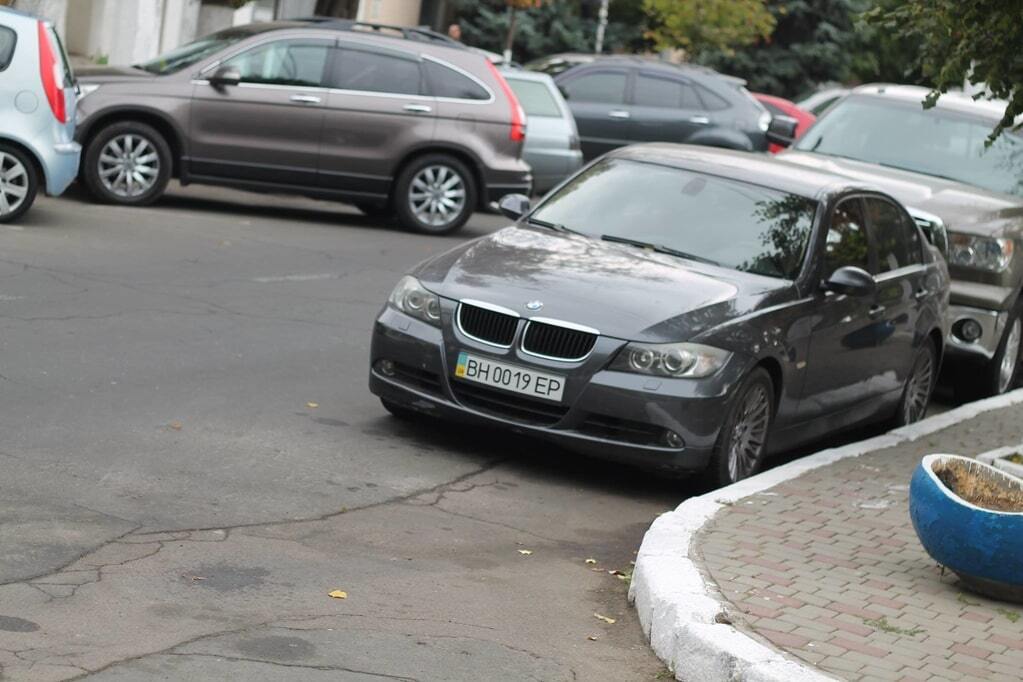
x,y
127,163
435,194
1000,373
18,183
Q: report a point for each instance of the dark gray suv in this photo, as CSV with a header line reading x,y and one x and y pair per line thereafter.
x,y
620,100
428,131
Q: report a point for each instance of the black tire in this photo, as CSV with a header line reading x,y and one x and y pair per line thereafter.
x,y
399,411
756,389
402,201
18,176
375,210
130,132
989,381
916,396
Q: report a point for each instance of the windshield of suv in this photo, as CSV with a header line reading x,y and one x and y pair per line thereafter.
x,y
702,217
194,52
936,142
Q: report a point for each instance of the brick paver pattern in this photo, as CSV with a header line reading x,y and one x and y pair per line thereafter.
x,y
827,567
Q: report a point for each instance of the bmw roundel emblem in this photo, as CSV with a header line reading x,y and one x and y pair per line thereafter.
x,y
534,305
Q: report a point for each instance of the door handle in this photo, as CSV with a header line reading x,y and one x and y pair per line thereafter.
x,y
921,294
306,99
876,311
699,120
418,108
619,113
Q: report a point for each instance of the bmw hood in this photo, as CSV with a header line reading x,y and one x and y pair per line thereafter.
x,y
622,291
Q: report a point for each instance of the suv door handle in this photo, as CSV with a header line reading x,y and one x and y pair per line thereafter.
x,y
306,99
619,113
921,293
418,108
699,120
876,311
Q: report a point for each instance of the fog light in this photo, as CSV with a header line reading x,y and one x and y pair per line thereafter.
x,y
386,367
970,330
673,440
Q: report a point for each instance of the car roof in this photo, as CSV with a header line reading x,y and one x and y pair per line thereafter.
x,y
952,101
655,63
756,169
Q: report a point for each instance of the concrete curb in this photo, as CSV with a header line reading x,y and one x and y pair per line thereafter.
x,y
679,610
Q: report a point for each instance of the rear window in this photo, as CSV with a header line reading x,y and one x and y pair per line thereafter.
x,y
445,82
535,98
377,72
8,38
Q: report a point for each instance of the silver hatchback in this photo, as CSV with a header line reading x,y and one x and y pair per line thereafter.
x,y
552,143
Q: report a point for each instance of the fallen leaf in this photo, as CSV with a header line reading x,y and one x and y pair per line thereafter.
x,y
312,405
526,552
338,594
609,621
175,425
592,638
591,561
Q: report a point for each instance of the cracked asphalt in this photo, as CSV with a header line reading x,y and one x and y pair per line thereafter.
x,y
172,506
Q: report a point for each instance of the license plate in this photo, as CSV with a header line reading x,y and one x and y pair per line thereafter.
x,y
510,377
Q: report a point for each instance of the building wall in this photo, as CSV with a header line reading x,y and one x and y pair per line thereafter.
x,y
51,10
398,12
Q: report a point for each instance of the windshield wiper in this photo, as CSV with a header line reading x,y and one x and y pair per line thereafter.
x,y
658,248
557,227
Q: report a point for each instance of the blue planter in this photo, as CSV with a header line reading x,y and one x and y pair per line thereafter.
x,y
983,547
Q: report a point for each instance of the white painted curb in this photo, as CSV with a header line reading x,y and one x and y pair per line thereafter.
x,y
678,608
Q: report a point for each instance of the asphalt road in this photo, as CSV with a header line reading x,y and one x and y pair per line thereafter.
x,y
190,461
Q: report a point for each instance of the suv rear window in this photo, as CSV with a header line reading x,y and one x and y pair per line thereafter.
x,y
535,98
377,72
8,38
445,82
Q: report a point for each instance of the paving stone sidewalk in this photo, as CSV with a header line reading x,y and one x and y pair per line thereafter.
x,y
827,568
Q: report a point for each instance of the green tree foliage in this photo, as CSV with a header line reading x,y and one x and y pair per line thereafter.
x,y
979,40
881,55
555,26
697,27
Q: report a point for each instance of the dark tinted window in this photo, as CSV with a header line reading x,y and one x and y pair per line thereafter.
x,y
670,93
605,86
283,62
730,223
846,242
895,237
377,72
535,98
712,101
445,82
7,40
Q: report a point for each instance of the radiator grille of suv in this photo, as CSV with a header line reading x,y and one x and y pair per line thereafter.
x,y
556,342
487,325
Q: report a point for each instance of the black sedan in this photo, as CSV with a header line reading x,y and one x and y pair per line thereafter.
x,y
678,307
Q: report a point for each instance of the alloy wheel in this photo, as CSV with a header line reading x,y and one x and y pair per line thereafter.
x,y
437,195
749,433
129,166
1010,357
14,185
918,390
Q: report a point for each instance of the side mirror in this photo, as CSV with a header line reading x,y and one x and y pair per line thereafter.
x,y
225,75
513,206
851,280
782,130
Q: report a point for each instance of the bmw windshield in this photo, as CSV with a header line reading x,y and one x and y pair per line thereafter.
x,y
693,216
934,142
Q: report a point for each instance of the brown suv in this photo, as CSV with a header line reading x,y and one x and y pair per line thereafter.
x,y
389,121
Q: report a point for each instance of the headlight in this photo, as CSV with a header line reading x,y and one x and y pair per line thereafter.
x,y
764,122
411,298
86,89
982,253
670,359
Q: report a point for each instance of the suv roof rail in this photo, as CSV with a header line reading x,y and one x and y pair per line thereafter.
x,y
424,35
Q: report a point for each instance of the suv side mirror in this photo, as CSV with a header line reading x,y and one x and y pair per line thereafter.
x,y
850,280
225,75
782,130
513,206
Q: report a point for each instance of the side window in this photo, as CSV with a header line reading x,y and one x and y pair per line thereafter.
x,y
846,243
445,82
668,93
283,62
896,239
607,87
712,101
377,72
7,40
535,98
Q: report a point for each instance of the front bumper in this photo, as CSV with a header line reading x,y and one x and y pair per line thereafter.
x,y
612,415
992,324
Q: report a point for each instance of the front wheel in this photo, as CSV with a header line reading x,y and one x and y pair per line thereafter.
x,y
742,442
435,194
19,183
916,396
127,163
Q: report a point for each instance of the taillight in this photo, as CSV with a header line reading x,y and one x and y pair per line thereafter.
x,y
52,73
518,114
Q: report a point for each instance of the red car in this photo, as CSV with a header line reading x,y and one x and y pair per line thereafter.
x,y
782,107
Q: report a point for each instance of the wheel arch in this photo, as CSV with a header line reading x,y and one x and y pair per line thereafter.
x,y
151,117
37,163
471,161
774,370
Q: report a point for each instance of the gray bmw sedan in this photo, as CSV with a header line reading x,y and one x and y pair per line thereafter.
x,y
677,307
